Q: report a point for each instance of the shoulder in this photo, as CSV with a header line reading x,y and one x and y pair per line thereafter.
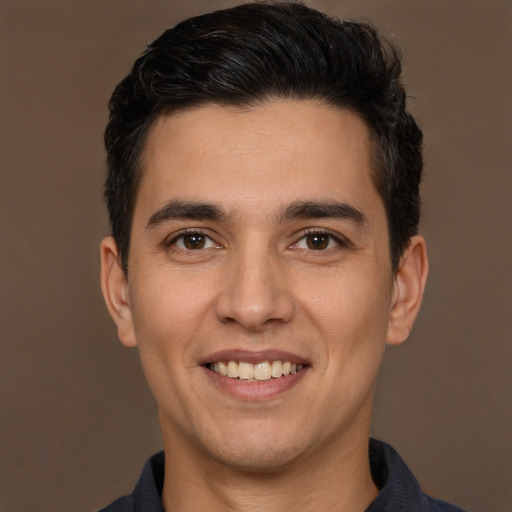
x,y
124,504
146,494
442,506
399,489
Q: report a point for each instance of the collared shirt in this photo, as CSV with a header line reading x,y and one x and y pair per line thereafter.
x,y
399,490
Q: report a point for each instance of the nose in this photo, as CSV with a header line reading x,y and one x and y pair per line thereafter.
x,y
254,292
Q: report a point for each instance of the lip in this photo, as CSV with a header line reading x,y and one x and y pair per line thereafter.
x,y
254,390
253,357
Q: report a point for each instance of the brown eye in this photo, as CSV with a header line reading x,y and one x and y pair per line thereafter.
x,y
318,241
194,241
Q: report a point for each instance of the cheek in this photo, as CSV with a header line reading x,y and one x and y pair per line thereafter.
x,y
171,319
350,310
168,307
167,316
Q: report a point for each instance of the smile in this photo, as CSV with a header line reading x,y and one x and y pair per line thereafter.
x,y
261,371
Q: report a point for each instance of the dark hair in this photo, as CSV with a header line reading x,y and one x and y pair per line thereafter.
x,y
255,52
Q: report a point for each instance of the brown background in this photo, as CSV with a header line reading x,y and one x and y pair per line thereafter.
x,y
77,421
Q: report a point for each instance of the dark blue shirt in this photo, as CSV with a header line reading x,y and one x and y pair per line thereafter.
x,y
399,490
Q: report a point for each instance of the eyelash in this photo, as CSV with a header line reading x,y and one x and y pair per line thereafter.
x,y
339,240
171,244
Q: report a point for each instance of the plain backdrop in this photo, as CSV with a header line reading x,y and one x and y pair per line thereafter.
x,y
77,420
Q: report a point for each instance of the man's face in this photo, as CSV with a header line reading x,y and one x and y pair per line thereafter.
x,y
258,237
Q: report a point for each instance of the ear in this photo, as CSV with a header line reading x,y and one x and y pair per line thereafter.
x,y
408,291
114,285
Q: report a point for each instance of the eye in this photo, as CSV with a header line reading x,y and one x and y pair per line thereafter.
x,y
193,241
318,241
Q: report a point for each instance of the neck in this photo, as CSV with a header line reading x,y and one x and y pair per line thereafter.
x,y
336,478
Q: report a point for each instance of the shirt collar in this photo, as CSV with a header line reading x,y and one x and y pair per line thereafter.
x,y
399,489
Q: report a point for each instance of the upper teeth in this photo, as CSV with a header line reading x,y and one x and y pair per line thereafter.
x,y
258,371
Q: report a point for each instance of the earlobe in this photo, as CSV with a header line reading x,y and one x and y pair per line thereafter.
x,y
114,285
408,290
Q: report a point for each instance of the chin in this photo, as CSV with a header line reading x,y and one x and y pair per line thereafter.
x,y
257,452
251,461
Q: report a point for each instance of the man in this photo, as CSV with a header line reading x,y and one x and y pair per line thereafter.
x,y
263,191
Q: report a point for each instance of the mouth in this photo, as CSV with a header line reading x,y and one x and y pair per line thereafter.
x,y
261,371
255,376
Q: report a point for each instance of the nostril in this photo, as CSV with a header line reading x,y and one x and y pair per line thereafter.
x,y
255,313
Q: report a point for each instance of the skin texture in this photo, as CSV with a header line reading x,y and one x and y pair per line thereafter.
x,y
259,283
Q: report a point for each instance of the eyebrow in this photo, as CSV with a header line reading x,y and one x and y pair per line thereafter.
x,y
198,210
192,210
323,209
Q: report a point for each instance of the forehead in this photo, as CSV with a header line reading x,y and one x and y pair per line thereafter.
x,y
278,152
